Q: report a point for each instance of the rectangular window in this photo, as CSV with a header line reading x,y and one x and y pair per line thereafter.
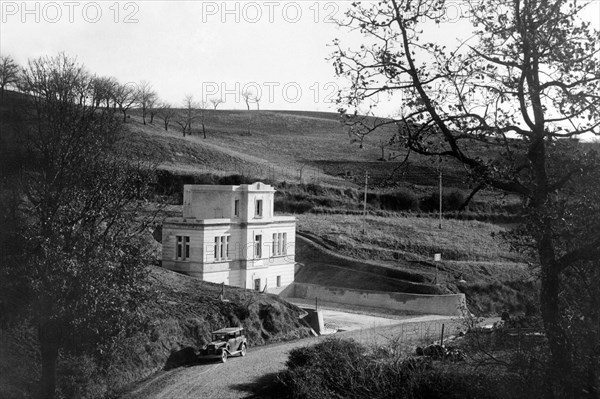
x,y
216,251
221,247
259,208
257,284
236,208
284,244
278,281
258,247
182,247
279,244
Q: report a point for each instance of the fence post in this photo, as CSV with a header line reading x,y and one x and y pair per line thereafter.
x,y
442,338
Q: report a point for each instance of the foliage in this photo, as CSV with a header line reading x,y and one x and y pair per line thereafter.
x,y
174,325
344,368
524,83
75,260
451,201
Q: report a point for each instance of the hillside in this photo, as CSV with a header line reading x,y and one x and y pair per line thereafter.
x,y
396,254
180,319
284,148
285,145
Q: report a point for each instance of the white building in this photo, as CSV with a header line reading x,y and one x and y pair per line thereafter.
x,y
229,234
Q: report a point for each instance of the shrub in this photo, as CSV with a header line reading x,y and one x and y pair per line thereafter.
x,y
314,189
451,201
338,368
292,206
403,200
235,180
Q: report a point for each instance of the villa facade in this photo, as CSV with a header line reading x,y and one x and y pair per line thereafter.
x,y
229,234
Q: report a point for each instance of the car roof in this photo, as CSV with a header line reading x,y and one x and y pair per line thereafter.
x,y
228,330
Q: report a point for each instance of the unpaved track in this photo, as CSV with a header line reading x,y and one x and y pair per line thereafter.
x,y
235,378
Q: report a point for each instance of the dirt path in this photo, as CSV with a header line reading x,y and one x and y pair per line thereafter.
x,y
237,377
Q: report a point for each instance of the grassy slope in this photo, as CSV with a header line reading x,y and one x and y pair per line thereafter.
x,y
185,311
256,143
259,141
457,240
326,267
496,278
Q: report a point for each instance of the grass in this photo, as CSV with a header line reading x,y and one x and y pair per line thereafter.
x,y
177,323
285,146
475,259
458,240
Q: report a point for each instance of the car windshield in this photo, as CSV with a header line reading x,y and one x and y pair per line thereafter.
x,y
219,337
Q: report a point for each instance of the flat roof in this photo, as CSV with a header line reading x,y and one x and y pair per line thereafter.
x,y
228,330
254,187
215,222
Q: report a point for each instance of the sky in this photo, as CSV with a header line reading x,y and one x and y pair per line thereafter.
x,y
209,49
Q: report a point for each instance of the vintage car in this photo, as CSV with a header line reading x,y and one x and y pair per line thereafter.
x,y
226,342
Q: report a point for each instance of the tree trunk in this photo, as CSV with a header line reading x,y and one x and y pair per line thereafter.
x,y
124,116
470,197
203,130
561,363
47,334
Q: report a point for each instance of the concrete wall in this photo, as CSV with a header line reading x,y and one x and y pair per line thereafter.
x,y
448,305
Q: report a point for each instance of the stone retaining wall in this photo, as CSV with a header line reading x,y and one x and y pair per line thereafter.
x,y
447,305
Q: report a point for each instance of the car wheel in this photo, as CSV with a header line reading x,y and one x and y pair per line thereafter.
x,y
243,351
223,356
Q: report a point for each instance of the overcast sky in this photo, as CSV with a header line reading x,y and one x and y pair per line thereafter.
x,y
204,48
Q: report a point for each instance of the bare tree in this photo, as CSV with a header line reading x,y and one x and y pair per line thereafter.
x,y
202,110
9,72
145,98
125,97
166,112
248,97
189,114
216,102
104,91
383,144
257,101
153,107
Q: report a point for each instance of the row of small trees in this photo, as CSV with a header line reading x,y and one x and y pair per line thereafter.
x,y
108,92
73,265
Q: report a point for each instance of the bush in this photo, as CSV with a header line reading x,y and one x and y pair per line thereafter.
x,y
292,206
337,368
451,201
402,200
234,180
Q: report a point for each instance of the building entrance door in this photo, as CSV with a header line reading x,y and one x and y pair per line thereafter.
x,y
257,284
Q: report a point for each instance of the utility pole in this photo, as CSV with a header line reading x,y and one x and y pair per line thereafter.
x,y
365,203
440,170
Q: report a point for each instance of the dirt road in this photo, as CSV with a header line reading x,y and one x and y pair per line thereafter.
x,y
237,377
